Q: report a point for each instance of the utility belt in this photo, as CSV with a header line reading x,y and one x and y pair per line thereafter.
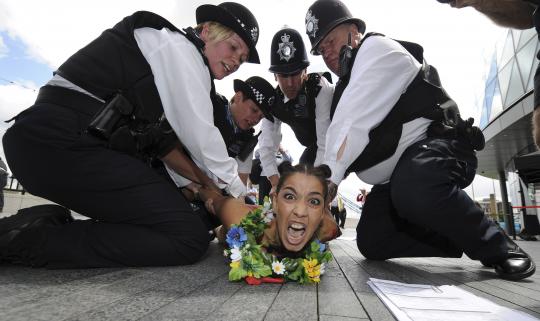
x,y
114,122
68,98
454,127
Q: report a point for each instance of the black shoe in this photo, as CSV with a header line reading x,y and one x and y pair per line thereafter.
x,y
518,264
30,217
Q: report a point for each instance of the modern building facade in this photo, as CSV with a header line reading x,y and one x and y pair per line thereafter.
x,y
506,123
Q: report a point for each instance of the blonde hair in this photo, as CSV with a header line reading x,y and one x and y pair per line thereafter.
x,y
216,31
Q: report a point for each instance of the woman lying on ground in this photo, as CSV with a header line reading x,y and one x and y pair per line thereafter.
x,y
283,243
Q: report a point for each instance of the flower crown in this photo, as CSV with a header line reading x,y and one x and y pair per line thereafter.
x,y
252,262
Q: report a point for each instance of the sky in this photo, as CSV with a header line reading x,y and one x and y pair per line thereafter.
x,y
38,36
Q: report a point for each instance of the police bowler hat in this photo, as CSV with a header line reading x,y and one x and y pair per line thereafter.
x,y
323,16
287,52
260,91
236,17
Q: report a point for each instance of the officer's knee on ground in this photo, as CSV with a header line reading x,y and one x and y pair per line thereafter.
x,y
368,248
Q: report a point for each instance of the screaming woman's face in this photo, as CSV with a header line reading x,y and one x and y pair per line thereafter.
x,y
299,208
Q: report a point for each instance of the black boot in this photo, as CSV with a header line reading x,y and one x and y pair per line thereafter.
x,y
516,266
27,219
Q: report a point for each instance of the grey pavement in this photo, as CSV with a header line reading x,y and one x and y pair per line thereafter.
x,y
202,291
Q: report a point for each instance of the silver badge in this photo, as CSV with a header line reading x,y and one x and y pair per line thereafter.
x,y
312,25
254,34
286,48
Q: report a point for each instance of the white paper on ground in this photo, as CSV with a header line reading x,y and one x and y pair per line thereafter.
x,y
422,302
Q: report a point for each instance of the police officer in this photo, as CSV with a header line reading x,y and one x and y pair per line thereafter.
x,y
383,104
518,14
303,102
235,119
129,97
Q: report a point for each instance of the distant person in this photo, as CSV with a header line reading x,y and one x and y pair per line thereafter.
x,y
342,213
361,197
3,182
517,14
397,129
337,208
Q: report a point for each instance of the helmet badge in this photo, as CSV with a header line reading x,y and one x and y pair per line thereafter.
x,y
312,24
254,34
286,48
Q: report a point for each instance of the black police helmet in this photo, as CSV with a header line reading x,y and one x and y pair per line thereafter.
x,y
236,17
260,91
323,16
288,53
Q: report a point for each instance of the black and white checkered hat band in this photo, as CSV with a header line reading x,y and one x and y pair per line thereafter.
x,y
258,95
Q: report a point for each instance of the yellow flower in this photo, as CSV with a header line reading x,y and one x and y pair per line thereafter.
x,y
235,264
313,269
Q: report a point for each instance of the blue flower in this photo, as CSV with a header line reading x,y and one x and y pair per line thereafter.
x,y
322,246
236,237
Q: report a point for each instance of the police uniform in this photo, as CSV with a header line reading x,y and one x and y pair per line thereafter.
x,y
307,114
239,143
383,104
162,84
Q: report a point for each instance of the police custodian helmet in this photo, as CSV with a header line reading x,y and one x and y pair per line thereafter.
x,y
236,17
288,53
323,16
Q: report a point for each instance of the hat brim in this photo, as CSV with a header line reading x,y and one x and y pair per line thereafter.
x,y
359,23
240,85
208,12
288,69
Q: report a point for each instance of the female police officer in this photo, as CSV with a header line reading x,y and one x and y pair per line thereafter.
x,y
130,96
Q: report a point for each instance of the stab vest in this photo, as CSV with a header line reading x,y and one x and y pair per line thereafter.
x,y
239,144
112,64
299,113
423,98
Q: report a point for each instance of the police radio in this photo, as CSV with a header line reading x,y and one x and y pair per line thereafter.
x,y
345,55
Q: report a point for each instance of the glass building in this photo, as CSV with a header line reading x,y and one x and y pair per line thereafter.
x,y
505,120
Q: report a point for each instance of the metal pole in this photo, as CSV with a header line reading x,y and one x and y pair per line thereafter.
x,y
507,211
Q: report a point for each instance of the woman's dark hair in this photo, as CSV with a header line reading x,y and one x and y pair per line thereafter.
x,y
321,172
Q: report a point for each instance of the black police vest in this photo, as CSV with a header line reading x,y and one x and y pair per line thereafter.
x,y
239,144
113,63
299,113
421,99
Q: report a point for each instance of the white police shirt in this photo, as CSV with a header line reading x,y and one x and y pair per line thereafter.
x,y
380,75
183,82
271,132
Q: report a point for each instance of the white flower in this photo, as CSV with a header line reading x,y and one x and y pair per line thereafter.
x,y
225,253
322,269
278,268
268,216
236,255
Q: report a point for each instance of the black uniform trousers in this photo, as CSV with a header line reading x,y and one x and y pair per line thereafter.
x,y
309,155
423,211
137,217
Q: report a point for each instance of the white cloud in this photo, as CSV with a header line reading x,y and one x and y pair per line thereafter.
x,y
3,48
13,100
455,41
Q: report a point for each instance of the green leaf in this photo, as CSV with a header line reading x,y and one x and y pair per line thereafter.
x,y
236,274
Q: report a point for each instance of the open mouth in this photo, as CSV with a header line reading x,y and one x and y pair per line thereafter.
x,y
295,233
227,68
